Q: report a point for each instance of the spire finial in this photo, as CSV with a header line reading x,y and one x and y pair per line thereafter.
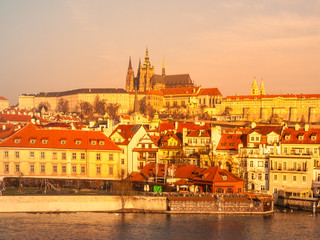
x,y
130,64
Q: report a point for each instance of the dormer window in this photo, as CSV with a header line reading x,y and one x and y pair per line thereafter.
x,y
32,140
93,142
287,137
224,178
17,140
78,142
63,141
300,137
313,137
101,143
44,141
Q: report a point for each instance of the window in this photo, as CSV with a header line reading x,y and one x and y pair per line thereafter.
x,y
78,142
54,155
83,169
98,170
304,178
17,140
17,154
263,187
55,169
74,169
63,141
74,156
110,170
17,168
266,164
285,166
251,163
260,164
275,177
42,155
6,154
122,161
64,169
284,177
44,141
31,155
83,156
259,176
63,156
239,190
93,142
315,151
110,157
252,176
98,156
101,143
285,150
32,168
43,168
294,178
6,167
32,141
295,166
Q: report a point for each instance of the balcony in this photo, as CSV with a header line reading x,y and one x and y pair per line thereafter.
x,y
289,169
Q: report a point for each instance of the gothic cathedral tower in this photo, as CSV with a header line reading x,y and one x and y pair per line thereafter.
x,y
146,71
130,86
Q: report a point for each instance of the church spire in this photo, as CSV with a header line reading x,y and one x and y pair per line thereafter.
x,y
262,90
163,69
146,58
254,87
130,64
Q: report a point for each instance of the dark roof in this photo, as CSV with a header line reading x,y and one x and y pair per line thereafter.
x,y
178,80
77,91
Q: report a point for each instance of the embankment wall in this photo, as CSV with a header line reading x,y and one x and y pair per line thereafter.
x,y
80,203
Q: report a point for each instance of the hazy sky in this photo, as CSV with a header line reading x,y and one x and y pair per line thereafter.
x,y
67,44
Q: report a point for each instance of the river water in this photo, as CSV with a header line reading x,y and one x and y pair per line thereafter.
x,y
280,225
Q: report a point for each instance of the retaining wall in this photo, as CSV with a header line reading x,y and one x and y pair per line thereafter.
x,y
79,203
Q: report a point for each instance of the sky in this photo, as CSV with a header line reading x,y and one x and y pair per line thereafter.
x,y
60,45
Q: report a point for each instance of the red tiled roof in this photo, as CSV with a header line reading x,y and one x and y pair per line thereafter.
x,y
54,137
230,141
294,136
187,91
18,118
209,91
3,98
264,130
198,133
155,92
126,131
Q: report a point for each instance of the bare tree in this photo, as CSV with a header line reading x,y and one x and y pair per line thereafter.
x,y
43,105
99,106
86,108
123,188
112,110
63,106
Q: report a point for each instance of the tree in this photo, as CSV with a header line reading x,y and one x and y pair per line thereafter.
x,y
86,108
99,106
43,105
112,110
124,188
227,111
63,106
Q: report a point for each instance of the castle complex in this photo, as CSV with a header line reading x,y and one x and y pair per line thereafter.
x,y
172,93
147,80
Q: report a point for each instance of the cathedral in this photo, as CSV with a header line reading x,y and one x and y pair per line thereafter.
x,y
146,79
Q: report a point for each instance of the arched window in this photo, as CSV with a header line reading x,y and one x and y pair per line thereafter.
x,y
229,190
219,190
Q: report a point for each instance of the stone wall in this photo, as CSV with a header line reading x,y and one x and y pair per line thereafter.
x,y
79,203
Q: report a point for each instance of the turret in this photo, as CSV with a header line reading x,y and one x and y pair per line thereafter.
x,y
254,88
262,90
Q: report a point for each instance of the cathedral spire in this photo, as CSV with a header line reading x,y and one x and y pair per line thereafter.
x,y
262,90
130,64
254,87
163,69
146,58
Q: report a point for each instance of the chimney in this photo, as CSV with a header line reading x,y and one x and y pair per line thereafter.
x,y
3,127
253,125
296,127
176,125
306,127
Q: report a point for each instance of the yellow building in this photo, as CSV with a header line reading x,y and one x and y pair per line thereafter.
x,y
4,103
265,108
59,153
76,96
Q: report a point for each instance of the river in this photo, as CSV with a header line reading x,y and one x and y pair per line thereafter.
x,y
280,225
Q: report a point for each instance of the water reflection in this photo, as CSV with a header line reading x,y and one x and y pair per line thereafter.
x,y
158,226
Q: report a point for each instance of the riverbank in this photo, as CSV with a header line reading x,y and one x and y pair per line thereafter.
x,y
141,204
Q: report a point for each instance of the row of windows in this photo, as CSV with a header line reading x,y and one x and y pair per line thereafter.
x,y
202,140
74,156
55,169
62,141
294,178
